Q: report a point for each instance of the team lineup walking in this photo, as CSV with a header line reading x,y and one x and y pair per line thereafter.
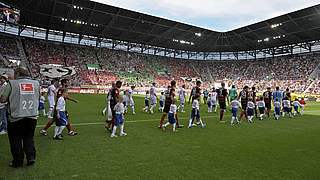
x,y
159,89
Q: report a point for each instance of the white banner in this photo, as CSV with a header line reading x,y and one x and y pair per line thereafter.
x,y
55,71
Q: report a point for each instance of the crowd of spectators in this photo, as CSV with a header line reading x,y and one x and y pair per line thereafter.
x,y
141,69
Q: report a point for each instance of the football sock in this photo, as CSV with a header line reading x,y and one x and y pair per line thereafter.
x,y
167,124
221,114
114,130
56,131
190,122
121,129
174,127
182,108
61,129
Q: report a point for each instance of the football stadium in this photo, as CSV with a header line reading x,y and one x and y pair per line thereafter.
x,y
92,90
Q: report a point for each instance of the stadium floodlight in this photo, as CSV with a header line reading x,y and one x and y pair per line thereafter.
x,y
259,41
275,25
198,34
75,7
266,39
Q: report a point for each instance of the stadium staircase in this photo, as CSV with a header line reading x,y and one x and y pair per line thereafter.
x,y
195,70
314,76
4,61
23,56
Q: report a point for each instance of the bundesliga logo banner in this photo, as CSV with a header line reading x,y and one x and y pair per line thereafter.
x,y
26,88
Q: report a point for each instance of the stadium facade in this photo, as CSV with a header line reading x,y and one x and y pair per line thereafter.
x,y
99,25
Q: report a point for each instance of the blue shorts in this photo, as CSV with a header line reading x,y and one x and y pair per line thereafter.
x,y
195,114
286,109
146,103
161,104
277,111
209,104
63,120
234,112
250,112
41,106
262,110
171,118
296,108
118,120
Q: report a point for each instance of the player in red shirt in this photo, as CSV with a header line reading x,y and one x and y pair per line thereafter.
x,y
267,97
302,103
114,95
222,96
168,101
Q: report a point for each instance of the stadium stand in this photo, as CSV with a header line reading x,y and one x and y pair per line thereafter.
x,y
141,69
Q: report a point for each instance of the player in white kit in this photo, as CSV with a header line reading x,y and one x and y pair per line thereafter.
x,y
130,101
153,97
52,92
250,110
286,107
214,99
182,97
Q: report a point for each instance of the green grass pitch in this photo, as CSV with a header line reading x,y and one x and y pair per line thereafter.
x,y
269,149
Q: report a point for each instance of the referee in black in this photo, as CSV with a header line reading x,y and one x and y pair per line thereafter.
x,y
22,95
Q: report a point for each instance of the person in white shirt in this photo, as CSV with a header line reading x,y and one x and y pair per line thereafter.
x,y
171,117
262,108
214,99
119,118
235,104
52,92
286,107
62,118
130,98
195,113
146,101
296,105
161,102
41,104
250,110
182,97
153,97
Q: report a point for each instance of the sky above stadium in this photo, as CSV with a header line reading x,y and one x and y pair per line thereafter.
x,y
217,15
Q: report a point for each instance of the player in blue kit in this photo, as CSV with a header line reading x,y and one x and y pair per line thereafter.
x,y
235,104
171,117
61,116
146,102
250,110
277,109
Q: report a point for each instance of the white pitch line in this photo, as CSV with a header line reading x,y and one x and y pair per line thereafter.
x,y
102,123
137,121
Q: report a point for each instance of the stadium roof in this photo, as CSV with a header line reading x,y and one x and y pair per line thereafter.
x,y
95,19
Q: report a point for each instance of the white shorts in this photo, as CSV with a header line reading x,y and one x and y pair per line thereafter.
x,y
109,113
153,100
51,101
182,100
131,102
